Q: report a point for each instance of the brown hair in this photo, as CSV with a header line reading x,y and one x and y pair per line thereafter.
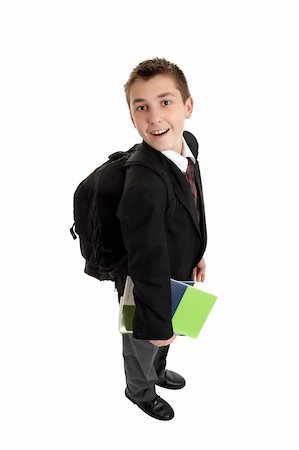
x,y
158,66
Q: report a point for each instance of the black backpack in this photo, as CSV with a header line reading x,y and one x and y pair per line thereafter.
x,y
95,222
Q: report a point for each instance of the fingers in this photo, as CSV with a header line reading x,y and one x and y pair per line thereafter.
x,y
200,274
195,275
169,341
173,338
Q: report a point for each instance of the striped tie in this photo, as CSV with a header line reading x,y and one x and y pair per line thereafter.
x,y
191,181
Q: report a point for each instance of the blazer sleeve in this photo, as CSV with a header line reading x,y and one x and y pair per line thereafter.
x,y
142,217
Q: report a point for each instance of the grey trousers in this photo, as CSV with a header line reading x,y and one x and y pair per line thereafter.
x,y
144,364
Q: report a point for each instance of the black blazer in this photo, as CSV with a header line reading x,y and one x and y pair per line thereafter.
x,y
157,250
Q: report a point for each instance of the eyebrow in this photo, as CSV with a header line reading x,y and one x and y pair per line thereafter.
x,y
142,100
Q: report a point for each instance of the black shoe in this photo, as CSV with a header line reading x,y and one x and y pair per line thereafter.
x,y
171,380
157,408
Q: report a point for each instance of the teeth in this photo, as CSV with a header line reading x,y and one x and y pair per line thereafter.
x,y
159,132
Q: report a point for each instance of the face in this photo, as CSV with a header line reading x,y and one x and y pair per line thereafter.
x,y
158,112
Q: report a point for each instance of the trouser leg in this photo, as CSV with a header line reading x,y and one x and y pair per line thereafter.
x,y
160,361
143,363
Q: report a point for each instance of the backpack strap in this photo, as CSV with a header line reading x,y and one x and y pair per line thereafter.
x,y
142,159
72,231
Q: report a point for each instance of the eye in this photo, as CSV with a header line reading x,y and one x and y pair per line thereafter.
x,y
141,108
166,102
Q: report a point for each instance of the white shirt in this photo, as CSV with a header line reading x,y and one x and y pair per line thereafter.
x,y
180,160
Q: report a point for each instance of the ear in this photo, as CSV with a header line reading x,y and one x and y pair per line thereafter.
x,y
188,107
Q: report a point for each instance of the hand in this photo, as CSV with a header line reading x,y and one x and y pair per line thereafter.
x,y
162,343
199,272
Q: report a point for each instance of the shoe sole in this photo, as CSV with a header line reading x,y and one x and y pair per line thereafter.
x,y
146,412
168,387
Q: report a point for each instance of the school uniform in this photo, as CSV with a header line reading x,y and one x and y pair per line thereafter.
x,y
158,247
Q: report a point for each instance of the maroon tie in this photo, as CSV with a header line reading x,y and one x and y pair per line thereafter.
x,y
191,180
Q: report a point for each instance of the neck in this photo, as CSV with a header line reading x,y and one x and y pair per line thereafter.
x,y
179,148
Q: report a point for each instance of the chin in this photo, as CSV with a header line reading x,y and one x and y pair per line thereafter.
x,y
160,148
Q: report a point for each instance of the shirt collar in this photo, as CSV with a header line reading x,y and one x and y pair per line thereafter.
x,y
180,160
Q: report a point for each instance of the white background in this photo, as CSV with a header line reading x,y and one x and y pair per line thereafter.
x,y
63,66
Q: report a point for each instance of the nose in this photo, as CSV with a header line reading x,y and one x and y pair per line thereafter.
x,y
154,116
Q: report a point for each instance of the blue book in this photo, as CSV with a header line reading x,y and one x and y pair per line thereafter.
x,y
178,290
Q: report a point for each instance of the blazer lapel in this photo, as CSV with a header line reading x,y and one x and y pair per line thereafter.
x,y
182,191
202,216
199,189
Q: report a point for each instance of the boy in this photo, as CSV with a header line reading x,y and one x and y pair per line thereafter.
x,y
159,102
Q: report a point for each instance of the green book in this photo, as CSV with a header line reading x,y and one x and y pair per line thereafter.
x,y
190,308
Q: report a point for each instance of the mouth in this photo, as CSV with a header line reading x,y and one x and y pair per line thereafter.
x,y
159,133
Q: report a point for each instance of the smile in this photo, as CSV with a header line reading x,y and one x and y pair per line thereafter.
x,y
159,132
